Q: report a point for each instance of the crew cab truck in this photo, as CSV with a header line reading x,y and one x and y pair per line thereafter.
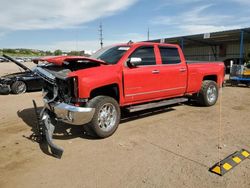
x,y
80,90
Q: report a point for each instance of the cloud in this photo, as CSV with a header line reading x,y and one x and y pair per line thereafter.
x,y
177,2
68,45
167,3
200,19
132,36
2,34
87,45
197,29
193,16
243,2
45,14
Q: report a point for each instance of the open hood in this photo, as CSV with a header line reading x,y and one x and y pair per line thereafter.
x,y
60,60
17,63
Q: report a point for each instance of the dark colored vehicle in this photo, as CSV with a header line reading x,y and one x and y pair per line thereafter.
x,y
2,59
20,82
236,61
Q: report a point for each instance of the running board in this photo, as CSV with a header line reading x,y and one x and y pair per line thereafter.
x,y
156,104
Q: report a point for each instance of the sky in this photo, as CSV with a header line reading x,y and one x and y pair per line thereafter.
x,y
73,24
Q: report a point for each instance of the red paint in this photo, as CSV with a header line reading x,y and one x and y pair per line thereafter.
x,y
138,85
59,60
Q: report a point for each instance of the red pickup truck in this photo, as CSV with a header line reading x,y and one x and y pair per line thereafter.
x,y
134,76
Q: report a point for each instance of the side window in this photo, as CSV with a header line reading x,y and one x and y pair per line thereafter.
x,y
169,55
146,54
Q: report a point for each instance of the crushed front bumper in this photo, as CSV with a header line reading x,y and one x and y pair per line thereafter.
x,y
62,112
71,114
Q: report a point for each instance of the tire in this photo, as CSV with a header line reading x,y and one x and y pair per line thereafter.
x,y
208,94
104,122
18,87
248,84
4,89
234,83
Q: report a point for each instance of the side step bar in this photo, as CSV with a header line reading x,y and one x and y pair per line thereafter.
x,y
156,104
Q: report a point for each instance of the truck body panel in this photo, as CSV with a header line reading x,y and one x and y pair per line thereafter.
x,y
80,90
143,83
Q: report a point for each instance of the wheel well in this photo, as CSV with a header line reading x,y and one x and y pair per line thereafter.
x,y
109,90
211,77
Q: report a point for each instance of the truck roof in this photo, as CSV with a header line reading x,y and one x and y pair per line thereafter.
x,y
145,43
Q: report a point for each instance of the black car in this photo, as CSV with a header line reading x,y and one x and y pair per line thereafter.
x,y
20,82
2,59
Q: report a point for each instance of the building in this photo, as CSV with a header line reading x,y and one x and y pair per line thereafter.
x,y
216,46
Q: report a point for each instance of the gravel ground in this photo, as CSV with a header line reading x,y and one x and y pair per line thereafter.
x,y
167,147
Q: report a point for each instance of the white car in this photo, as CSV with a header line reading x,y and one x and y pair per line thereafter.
x,y
20,60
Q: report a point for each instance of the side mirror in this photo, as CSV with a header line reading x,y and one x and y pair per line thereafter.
x,y
135,61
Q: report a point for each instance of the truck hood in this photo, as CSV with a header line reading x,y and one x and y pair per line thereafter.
x,y
60,60
65,65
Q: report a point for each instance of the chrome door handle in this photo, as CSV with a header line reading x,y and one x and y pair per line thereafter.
x,y
183,69
155,72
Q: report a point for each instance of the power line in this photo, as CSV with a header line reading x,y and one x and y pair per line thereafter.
x,y
148,33
101,35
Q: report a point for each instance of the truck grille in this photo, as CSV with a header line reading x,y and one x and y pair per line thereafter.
x,y
65,90
56,89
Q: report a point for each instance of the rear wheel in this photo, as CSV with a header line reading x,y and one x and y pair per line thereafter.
x,y
107,115
208,94
18,87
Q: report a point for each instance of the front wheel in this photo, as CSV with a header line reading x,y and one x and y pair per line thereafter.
x,y
107,115
18,87
208,94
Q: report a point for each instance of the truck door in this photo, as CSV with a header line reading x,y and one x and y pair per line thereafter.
x,y
173,72
142,82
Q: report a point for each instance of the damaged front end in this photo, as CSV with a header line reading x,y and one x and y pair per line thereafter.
x,y
59,96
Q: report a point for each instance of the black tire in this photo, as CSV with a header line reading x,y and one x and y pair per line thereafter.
x,y
208,94
100,124
4,89
18,87
248,84
234,83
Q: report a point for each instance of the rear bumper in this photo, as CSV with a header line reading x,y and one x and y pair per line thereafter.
x,y
71,114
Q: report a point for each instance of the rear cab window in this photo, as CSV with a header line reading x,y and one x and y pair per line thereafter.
x,y
169,55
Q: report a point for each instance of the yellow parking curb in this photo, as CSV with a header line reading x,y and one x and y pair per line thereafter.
x,y
230,162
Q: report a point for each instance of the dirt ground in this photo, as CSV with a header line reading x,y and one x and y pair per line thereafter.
x,y
167,147
7,68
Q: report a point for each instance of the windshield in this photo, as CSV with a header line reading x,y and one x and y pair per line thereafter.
x,y
111,55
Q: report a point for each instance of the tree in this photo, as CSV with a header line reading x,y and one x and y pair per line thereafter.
x,y
75,53
48,53
58,52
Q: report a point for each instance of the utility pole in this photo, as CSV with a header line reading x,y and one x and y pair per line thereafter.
x,y
148,34
101,35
